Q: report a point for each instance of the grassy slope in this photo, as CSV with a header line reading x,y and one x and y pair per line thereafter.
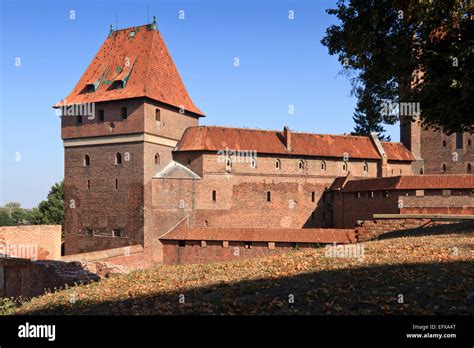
x,y
426,270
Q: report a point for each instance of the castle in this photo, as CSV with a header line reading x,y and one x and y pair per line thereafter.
x,y
139,170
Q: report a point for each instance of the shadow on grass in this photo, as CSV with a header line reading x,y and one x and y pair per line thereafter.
x,y
435,288
455,228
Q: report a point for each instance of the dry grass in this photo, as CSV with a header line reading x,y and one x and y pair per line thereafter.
x,y
433,273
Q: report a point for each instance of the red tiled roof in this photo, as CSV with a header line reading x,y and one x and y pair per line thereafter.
x,y
305,235
212,138
412,182
397,152
145,59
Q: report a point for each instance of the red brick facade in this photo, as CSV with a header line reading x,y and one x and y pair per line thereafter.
x,y
142,164
40,242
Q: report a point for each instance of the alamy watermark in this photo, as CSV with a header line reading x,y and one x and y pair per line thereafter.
x,y
22,251
345,251
80,109
237,156
388,108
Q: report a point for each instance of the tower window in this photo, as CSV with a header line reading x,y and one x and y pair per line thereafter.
x,y
323,166
228,164
444,167
78,120
116,184
118,158
459,140
157,159
214,196
89,232
123,113
313,196
100,117
269,196
469,168
158,117
277,164
87,161
444,143
116,232
88,184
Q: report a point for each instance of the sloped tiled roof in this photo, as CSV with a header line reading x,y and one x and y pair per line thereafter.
x,y
212,138
142,63
412,182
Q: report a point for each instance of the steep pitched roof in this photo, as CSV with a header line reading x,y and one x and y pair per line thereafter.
x,y
212,138
412,182
131,63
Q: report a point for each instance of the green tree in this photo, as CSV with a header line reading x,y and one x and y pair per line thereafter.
x,y
408,51
51,210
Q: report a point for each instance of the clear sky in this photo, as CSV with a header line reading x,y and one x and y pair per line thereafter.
x,y
282,62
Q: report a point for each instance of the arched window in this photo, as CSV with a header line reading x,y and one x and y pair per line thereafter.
x,y
118,158
444,143
228,163
422,171
469,167
157,159
323,166
277,164
344,166
253,163
87,161
301,165
366,168
444,167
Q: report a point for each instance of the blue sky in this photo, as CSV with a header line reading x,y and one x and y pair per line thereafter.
x,y
282,63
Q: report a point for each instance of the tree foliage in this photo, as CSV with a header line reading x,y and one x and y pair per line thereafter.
x,y
49,211
412,51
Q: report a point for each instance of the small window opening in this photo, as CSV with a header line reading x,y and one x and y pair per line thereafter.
x,y
123,113
87,161
277,164
181,243
116,232
157,159
100,117
214,196
269,196
78,120
118,158
313,196
88,184
89,232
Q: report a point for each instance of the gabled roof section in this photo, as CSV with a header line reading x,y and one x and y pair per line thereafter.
x,y
397,152
132,63
176,170
212,138
413,182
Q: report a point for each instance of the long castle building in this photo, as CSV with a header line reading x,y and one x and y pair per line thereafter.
x,y
140,164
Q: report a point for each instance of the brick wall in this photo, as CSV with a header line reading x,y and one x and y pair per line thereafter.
x,y
372,229
130,257
42,242
215,251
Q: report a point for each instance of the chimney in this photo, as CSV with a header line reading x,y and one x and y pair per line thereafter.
x,y
287,137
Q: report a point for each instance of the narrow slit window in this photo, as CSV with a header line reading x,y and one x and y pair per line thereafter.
x,y
269,196
313,196
118,158
116,184
100,116
88,184
277,164
459,140
158,117
87,161
123,113
214,196
157,159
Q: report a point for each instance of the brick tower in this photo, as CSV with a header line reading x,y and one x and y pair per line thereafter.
x,y
436,152
119,125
